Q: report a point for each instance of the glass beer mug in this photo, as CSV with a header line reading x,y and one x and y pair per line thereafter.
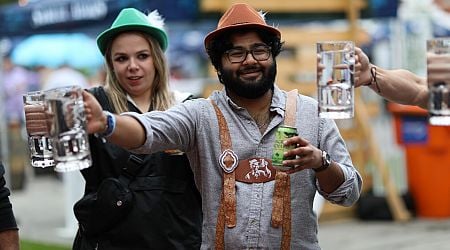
x,y
68,128
40,145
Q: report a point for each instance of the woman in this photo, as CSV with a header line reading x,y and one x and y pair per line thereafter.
x,y
168,210
166,207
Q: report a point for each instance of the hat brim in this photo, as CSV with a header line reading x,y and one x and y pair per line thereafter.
x,y
213,34
105,37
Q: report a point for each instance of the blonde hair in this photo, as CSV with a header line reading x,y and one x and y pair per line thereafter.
x,y
160,99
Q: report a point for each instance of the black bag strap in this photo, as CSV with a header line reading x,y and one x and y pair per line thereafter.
x,y
102,98
131,170
134,163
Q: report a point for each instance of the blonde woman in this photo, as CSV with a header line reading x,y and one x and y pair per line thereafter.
x,y
165,208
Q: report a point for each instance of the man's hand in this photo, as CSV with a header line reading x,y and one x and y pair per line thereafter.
x,y
362,68
96,120
307,156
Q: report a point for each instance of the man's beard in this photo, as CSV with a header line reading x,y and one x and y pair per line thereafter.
x,y
249,89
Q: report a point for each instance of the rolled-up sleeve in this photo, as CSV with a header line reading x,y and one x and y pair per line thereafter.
x,y
349,191
171,129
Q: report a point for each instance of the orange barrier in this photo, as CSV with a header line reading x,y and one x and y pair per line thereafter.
x,y
427,151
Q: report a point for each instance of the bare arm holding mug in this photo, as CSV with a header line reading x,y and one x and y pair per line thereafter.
x,y
398,85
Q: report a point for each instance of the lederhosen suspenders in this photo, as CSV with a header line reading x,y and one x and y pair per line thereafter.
x,y
245,171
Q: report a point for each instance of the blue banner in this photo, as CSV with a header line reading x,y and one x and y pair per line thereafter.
x,y
50,16
414,130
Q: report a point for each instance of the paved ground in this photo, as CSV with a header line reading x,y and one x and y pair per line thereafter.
x,y
40,210
418,234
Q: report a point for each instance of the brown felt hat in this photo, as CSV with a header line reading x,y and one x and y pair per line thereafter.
x,y
240,15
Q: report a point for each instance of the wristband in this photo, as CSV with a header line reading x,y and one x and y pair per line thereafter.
x,y
110,124
373,72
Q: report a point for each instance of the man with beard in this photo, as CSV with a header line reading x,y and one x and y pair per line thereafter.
x,y
248,202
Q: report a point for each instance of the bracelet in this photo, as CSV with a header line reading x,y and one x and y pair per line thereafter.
x,y
373,72
110,124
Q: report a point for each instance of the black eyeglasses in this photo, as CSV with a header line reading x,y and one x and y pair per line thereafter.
x,y
238,55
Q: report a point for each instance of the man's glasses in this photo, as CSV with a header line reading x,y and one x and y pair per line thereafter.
x,y
238,55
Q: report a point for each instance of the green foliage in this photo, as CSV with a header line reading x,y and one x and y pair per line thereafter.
x,y
4,2
31,245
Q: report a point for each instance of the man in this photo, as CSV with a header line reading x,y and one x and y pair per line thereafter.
x,y
246,207
9,236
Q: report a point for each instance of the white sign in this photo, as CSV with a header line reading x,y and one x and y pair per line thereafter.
x,y
73,11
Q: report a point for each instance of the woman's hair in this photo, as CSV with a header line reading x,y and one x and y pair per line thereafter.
x,y
222,43
161,97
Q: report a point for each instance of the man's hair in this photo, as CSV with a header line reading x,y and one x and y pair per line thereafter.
x,y
222,43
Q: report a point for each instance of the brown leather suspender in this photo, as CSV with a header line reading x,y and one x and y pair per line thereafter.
x,y
228,162
281,199
245,172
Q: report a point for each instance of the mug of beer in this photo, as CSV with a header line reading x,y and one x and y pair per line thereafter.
x,y
68,128
438,61
39,144
336,83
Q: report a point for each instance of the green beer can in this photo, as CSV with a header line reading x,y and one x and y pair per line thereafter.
x,y
282,133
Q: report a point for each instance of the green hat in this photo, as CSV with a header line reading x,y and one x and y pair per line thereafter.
x,y
131,19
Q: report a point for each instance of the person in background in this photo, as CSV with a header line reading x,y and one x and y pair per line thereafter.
x,y
16,80
166,208
65,76
9,233
229,138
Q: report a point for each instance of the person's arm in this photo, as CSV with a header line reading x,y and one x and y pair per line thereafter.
x,y
128,132
399,85
9,240
9,236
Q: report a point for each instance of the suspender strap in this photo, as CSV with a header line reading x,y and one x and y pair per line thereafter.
x,y
281,200
228,161
281,206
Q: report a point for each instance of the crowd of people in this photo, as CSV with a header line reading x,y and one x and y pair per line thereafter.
x,y
200,170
